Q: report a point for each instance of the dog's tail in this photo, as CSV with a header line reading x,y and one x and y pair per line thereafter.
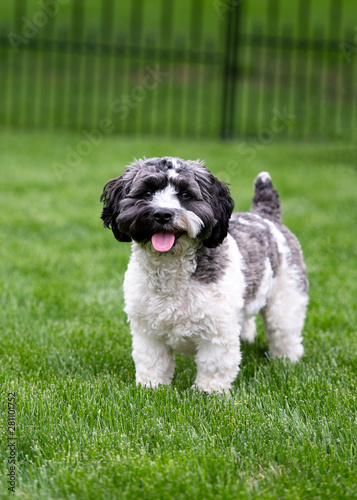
x,y
266,201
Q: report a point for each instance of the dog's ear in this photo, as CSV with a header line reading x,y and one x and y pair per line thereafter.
x,y
113,192
222,205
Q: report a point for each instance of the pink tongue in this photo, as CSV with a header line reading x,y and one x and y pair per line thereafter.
x,y
163,242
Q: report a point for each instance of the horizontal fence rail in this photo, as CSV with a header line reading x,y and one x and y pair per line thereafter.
x,y
201,68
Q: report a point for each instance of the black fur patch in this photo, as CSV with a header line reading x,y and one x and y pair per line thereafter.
x,y
211,263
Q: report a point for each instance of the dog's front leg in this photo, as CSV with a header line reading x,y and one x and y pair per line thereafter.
x,y
217,366
154,361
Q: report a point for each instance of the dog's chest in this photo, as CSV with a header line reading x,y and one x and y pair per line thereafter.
x,y
170,303
165,295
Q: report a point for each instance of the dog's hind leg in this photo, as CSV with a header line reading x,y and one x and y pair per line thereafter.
x,y
284,317
249,330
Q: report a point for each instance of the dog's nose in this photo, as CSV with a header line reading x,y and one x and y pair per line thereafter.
x,y
162,216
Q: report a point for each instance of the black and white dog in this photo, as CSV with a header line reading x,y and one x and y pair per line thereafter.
x,y
198,275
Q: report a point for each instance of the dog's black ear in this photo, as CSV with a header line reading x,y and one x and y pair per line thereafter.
x,y
113,193
222,205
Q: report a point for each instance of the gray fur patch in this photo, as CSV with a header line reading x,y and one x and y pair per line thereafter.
x,y
266,199
211,263
256,244
295,258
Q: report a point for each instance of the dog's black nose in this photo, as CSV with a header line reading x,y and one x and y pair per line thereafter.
x,y
162,215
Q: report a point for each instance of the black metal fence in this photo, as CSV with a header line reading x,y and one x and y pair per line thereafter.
x,y
203,68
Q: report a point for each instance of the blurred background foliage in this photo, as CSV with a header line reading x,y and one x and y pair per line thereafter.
x,y
203,68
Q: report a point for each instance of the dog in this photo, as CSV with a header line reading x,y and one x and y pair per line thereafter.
x,y
198,274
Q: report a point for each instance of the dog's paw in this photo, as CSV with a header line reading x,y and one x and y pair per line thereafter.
x,y
217,392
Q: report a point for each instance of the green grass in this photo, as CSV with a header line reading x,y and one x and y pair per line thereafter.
x,y
84,431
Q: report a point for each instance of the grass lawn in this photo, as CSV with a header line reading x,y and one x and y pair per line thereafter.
x,y
83,429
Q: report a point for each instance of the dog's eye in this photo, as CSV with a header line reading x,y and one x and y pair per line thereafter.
x,y
185,195
148,194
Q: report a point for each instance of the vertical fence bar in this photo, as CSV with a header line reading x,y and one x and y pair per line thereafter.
x,y
278,85
31,82
182,50
287,30
5,76
336,12
112,66
354,99
262,69
303,29
77,90
309,126
70,93
104,66
33,86
51,78
334,31
234,75
245,79
21,61
292,74
319,60
317,57
123,41
43,119
321,109
187,125
210,88
163,101
132,68
114,57
64,106
40,93
96,56
226,75
329,82
144,114
15,76
56,86
347,90
264,84
83,56
192,96
251,125
230,71
137,24
146,99
87,76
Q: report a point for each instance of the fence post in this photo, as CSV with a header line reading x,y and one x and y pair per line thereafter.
x,y
230,67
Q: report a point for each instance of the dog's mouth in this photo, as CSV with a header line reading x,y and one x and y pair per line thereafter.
x,y
163,241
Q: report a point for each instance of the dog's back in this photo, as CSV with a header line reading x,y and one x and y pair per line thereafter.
x,y
274,271
260,235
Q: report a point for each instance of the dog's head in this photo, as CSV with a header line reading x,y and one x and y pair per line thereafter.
x,y
163,199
